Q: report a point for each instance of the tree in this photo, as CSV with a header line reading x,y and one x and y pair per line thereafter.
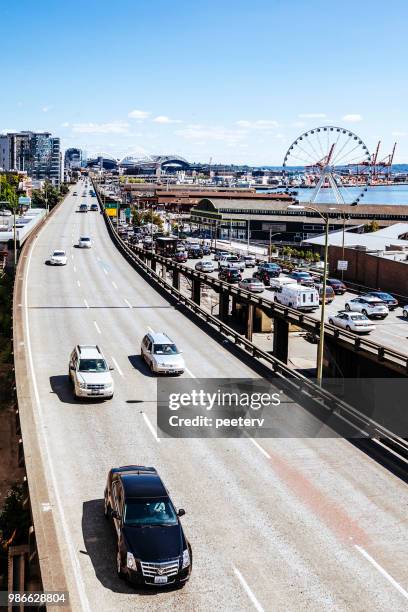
x,y
309,256
372,226
316,257
147,216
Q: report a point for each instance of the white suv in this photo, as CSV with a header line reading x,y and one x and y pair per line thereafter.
x,y
161,354
84,242
368,306
89,372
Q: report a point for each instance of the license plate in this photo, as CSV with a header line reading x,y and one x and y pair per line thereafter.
x,y
160,579
96,392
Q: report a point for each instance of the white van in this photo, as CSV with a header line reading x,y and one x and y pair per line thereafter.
x,y
299,297
277,284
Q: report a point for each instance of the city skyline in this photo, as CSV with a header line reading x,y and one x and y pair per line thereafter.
x,y
241,94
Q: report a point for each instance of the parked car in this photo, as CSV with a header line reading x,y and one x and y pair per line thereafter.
x,y
84,242
249,261
161,354
369,306
230,276
330,295
151,548
303,278
219,254
386,298
58,258
204,265
180,256
352,321
337,285
252,284
90,373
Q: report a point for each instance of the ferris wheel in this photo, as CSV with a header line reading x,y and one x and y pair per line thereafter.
x,y
333,162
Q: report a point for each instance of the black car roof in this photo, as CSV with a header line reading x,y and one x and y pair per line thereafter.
x,y
142,484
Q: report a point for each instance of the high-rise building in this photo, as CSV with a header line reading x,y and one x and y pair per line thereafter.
x,y
36,153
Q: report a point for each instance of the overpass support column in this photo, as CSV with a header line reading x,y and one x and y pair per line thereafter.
x,y
153,264
176,279
250,322
280,339
223,306
196,290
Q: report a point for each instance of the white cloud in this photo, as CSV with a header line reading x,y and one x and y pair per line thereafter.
x,y
211,133
163,119
312,115
138,114
399,133
116,127
45,109
261,124
65,124
298,124
352,118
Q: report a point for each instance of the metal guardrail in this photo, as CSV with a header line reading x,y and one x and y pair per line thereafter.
x,y
384,354
299,384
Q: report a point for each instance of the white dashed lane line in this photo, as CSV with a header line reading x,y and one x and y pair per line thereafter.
x,y
115,363
86,303
114,285
128,303
78,283
97,327
151,428
247,590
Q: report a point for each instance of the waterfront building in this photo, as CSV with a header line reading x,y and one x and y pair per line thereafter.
x,y
36,153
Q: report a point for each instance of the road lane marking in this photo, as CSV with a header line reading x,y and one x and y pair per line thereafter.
x,y
114,285
74,268
63,522
86,303
128,303
78,283
259,447
72,257
117,366
382,571
150,426
248,591
189,372
105,270
97,327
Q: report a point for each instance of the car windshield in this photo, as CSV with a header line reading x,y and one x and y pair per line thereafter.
x,y
149,512
302,274
384,296
59,253
165,349
358,317
92,365
84,239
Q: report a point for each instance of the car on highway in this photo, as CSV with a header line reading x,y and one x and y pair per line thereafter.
x,y
303,278
368,305
84,242
75,193
231,262
180,257
206,249
276,284
229,276
90,373
93,207
151,547
161,354
58,258
265,276
194,251
252,284
219,254
5,212
352,321
405,312
274,270
337,285
83,208
386,298
298,296
249,261
330,295
205,265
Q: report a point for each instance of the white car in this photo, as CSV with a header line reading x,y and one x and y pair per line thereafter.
x,y
368,306
205,266
89,372
58,258
249,261
405,312
161,354
252,284
84,242
352,321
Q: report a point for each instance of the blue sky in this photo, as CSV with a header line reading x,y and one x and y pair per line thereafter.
x,y
235,81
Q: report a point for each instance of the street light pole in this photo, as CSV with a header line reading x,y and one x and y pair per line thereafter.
x,y
320,348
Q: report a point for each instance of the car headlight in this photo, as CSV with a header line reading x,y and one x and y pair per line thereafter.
x,y
108,385
131,561
186,559
82,385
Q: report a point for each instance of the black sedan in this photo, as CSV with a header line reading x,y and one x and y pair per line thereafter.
x,y
230,276
386,298
151,546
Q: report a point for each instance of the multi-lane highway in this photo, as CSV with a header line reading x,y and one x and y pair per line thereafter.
x,y
274,524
